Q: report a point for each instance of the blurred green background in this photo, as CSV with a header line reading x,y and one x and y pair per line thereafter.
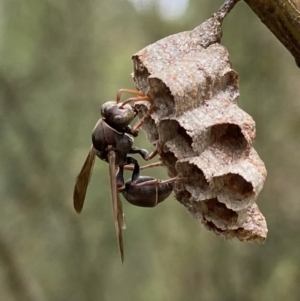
x,y
60,60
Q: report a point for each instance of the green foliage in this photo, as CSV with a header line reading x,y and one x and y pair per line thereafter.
x,y
60,60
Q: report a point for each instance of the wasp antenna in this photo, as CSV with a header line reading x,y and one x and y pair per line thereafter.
x,y
134,92
136,99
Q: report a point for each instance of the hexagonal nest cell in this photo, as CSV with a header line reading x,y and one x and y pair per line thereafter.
x,y
234,185
228,137
171,135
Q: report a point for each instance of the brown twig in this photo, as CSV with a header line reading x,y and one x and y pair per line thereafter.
x,y
225,9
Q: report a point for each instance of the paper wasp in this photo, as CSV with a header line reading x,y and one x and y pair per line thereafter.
x,y
113,142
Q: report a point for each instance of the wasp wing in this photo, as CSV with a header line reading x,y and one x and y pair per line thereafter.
x,y
83,180
121,216
116,202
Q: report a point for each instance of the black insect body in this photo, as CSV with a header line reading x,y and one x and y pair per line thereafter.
x,y
107,139
110,139
113,142
149,195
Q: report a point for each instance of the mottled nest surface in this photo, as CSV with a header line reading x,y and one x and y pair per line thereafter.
x,y
201,133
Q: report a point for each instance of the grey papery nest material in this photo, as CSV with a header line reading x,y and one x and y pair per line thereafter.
x,y
201,133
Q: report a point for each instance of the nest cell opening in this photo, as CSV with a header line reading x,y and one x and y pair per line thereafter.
x,y
150,129
233,185
228,136
193,174
169,161
163,101
217,210
175,138
231,83
141,72
183,196
139,68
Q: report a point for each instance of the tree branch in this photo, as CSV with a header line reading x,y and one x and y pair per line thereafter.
x,y
282,17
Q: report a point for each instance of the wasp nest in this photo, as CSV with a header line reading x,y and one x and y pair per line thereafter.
x,y
201,133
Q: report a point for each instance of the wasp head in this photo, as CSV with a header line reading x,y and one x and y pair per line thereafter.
x,y
118,115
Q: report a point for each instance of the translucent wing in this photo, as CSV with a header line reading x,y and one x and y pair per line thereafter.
x,y
116,202
83,180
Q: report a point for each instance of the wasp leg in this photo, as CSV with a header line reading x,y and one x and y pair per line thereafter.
x,y
156,164
134,131
153,154
143,152
143,97
156,182
142,120
130,131
120,177
136,169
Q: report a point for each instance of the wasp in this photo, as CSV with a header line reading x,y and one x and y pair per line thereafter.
x,y
112,142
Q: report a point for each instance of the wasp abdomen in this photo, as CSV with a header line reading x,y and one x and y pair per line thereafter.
x,y
146,196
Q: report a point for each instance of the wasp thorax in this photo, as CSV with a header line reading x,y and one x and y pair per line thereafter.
x,y
118,115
